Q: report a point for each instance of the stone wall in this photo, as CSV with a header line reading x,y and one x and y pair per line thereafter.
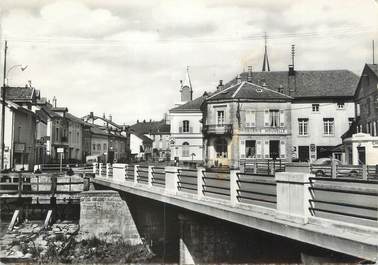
x,y
104,214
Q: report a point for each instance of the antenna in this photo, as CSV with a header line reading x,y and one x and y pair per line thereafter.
x,y
373,53
266,60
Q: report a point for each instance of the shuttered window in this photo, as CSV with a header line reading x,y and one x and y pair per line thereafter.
x,y
250,118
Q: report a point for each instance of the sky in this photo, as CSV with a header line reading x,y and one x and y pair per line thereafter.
x,y
126,58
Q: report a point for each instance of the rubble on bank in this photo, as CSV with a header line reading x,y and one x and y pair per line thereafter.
x,y
63,243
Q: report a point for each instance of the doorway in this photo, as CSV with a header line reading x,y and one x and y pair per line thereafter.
x,y
274,149
361,155
303,153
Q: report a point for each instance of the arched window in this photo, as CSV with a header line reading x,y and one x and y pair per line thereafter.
x,y
221,147
185,149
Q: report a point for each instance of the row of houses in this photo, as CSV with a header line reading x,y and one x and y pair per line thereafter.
x,y
40,132
287,115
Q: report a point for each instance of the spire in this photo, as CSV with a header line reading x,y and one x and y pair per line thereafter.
x,y
266,60
187,81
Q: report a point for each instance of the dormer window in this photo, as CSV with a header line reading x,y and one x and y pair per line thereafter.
x,y
340,105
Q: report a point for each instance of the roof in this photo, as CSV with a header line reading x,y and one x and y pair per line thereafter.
x,y
249,91
151,127
59,109
308,84
74,118
20,93
49,112
373,68
145,139
193,105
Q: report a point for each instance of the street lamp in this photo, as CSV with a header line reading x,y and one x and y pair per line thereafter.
x,y
5,81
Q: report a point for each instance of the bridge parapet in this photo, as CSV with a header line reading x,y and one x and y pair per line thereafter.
x,y
294,199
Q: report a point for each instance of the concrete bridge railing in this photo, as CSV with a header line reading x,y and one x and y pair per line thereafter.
x,y
294,196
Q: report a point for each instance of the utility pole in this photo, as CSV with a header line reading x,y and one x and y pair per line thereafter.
x,y
3,105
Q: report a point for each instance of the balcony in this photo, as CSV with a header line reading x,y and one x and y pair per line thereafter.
x,y
218,129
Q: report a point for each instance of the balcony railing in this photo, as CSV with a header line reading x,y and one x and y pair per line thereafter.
x,y
218,129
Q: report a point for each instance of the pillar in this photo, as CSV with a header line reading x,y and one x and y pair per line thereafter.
x,y
171,179
293,196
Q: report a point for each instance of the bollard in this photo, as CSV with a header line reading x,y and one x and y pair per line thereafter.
x,y
333,167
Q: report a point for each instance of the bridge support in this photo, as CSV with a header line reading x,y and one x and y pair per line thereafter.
x,y
104,213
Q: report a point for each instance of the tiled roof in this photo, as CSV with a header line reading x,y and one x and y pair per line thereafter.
x,y
19,93
193,105
49,112
74,118
249,91
150,127
309,84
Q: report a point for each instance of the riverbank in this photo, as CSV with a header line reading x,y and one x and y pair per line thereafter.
x,y
63,243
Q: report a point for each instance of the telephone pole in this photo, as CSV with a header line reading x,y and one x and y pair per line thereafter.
x,y
3,105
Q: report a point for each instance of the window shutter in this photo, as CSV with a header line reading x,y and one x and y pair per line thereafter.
x,y
258,149
248,118
180,129
266,149
253,118
282,118
283,149
266,118
242,149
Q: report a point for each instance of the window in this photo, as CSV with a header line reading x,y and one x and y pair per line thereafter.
x,y
56,134
328,125
220,117
340,105
350,121
274,117
303,126
185,126
78,137
221,147
105,147
250,148
94,147
315,107
250,118
98,146
185,149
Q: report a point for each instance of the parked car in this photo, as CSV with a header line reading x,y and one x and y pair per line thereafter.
x,y
323,167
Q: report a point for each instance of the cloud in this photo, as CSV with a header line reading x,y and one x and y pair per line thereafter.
x,y
127,57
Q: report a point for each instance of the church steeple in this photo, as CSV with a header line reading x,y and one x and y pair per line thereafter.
x,y
186,88
266,66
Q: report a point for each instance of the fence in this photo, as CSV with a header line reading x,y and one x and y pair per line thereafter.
x,y
345,171
263,167
38,184
295,194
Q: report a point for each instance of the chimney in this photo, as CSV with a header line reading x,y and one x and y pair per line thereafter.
x,y
103,115
110,117
91,114
238,79
249,77
181,85
54,101
220,85
137,121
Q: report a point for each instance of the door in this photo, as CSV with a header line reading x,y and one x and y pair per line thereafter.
x,y
274,149
361,155
303,153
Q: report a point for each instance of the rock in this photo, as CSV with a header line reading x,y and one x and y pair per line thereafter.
x,y
28,255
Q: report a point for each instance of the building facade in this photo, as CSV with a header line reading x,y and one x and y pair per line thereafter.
x,y
361,141
246,122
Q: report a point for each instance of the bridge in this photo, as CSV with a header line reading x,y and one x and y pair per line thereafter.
x,y
339,214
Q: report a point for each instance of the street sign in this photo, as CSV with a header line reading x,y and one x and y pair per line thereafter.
x,y
60,150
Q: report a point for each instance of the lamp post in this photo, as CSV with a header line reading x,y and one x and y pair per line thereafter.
x,y
3,90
